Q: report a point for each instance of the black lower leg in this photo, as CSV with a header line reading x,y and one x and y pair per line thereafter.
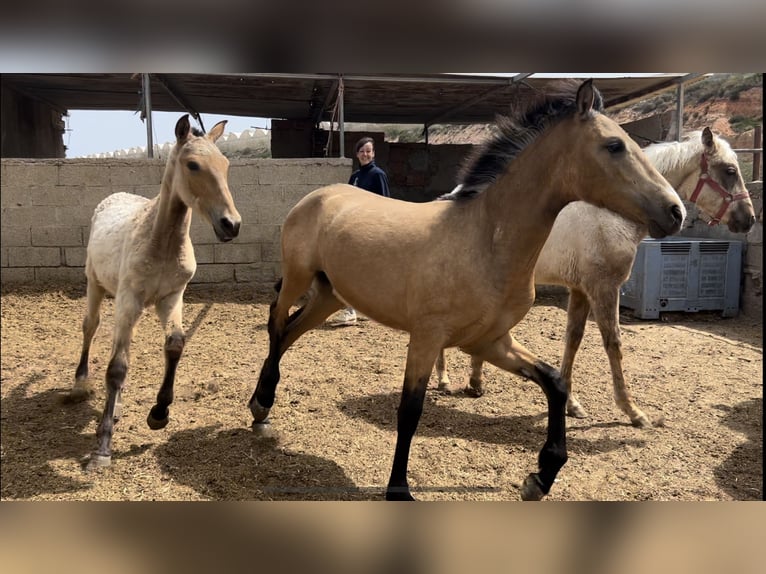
x,y
158,415
408,416
115,379
265,390
553,455
82,367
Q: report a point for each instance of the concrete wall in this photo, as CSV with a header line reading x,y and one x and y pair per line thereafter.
x,y
47,206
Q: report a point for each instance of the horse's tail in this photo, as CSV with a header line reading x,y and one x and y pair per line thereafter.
x,y
278,285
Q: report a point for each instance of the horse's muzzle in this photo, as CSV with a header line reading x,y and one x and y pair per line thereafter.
x,y
226,229
671,225
741,223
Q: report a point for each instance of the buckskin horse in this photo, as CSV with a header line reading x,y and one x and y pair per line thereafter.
x,y
460,273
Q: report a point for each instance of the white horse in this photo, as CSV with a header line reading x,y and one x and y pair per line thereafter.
x,y
591,251
140,252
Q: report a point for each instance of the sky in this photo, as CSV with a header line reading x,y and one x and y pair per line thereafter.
x,y
91,132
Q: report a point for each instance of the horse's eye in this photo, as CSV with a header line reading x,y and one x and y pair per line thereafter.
x,y
615,146
731,170
193,165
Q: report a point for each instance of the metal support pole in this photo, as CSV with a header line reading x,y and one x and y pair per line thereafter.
x,y
756,155
680,112
341,120
148,112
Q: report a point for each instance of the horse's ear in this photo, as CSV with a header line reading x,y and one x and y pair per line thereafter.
x,y
707,140
183,128
585,98
216,131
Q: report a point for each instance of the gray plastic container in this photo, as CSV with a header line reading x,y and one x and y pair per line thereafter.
x,y
684,274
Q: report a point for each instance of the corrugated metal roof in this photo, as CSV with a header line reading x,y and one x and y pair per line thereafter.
x,y
372,98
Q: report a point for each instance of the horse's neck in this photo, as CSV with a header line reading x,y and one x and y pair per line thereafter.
x,y
521,215
172,220
679,163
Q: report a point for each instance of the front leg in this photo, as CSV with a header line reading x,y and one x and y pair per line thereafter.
x,y
127,312
475,386
170,312
421,355
442,378
606,311
511,356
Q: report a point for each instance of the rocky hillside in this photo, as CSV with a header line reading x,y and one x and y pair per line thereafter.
x,y
730,104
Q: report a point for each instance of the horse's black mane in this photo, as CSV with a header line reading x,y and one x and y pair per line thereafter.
x,y
515,132
197,132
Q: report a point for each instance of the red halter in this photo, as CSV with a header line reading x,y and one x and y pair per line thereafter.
x,y
728,198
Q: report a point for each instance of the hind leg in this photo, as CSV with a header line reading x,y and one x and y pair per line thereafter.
x,y
170,312
285,329
127,312
82,387
511,356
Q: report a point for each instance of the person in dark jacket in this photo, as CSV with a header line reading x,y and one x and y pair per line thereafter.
x,y
373,179
369,176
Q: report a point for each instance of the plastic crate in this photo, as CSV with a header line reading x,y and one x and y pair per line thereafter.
x,y
684,274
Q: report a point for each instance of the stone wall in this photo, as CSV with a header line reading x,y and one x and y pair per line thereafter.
x,y
47,206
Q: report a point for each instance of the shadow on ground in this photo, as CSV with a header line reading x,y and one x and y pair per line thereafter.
x,y
741,474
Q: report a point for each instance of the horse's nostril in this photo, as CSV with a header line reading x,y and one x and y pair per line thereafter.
x,y
677,213
229,226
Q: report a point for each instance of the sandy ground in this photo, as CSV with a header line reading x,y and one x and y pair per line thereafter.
x,y
335,412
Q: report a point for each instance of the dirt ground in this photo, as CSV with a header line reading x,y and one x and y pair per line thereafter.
x,y
335,412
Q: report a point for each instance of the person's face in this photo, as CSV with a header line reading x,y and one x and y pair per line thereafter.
x,y
365,154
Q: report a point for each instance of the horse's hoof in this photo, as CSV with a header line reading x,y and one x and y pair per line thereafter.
x,y
97,461
473,392
79,394
643,422
259,413
157,423
532,488
263,429
117,412
400,494
577,411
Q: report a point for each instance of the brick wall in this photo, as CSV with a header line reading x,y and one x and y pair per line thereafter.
x,y
47,206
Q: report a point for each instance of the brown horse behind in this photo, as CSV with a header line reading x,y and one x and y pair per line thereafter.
x,y
460,273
